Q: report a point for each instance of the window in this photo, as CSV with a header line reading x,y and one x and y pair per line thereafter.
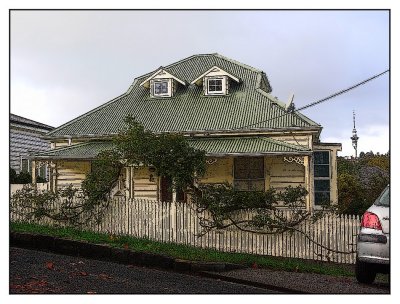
x,y
321,177
216,85
249,174
26,165
161,88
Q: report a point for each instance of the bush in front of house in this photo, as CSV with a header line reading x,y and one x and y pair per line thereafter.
x,y
24,178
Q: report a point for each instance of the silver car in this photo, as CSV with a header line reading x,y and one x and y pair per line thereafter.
x,y
373,240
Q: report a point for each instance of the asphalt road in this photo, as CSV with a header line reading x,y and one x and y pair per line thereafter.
x,y
34,271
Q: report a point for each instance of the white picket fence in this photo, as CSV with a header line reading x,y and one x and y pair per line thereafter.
x,y
178,223
15,187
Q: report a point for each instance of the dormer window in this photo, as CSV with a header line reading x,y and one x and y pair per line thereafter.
x,y
215,81
216,85
162,84
161,88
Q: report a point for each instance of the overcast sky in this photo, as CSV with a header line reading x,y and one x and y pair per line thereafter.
x,y
65,63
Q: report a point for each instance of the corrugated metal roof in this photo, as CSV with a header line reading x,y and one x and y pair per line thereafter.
x,y
16,120
245,145
87,150
212,146
189,110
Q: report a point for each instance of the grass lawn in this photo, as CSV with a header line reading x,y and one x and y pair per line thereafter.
x,y
189,252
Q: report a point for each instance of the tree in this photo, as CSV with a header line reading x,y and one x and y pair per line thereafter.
x,y
361,181
351,198
169,154
270,212
21,178
172,157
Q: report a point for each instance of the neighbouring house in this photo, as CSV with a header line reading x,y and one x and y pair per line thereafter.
x,y
25,139
253,141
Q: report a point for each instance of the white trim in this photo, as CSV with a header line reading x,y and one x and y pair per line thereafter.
x,y
221,72
223,85
168,75
169,87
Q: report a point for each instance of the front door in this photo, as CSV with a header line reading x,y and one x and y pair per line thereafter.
x,y
166,189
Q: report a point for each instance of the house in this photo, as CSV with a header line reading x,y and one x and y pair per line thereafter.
x,y
253,140
26,138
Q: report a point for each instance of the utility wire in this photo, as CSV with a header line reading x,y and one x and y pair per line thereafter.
x,y
342,91
318,101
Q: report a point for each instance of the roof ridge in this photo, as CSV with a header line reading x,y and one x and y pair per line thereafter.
x,y
246,66
175,63
283,106
29,121
238,63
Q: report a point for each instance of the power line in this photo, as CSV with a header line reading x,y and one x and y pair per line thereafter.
x,y
342,91
318,101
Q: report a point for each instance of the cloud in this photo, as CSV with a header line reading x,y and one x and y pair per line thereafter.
x,y
64,103
372,138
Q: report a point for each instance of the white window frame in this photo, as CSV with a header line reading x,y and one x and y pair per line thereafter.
x,y
223,84
22,159
169,87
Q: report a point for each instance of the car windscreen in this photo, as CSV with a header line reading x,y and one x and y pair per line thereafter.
x,y
384,198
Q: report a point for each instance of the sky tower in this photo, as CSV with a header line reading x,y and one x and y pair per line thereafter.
x,y
354,138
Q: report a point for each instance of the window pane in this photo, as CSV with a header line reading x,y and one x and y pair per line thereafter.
x,y
249,174
322,197
322,185
24,166
256,185
321,170
249,185
255,167
215,85
321,157
240,168
241,185
249,167
161,87
42,171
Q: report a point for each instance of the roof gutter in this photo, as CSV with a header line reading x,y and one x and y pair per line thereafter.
x,y
196,133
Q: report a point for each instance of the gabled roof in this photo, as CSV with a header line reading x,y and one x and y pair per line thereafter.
x,y
248,103
22,121
214,146
161,71
213,69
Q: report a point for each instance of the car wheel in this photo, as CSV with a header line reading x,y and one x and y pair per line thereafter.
x,y
365,273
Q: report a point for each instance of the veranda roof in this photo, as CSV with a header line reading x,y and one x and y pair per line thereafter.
x,y
214,146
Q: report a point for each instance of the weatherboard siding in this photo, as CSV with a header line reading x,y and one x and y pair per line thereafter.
x,y
219,172
22,143
143,187
72,173
282,174
302,140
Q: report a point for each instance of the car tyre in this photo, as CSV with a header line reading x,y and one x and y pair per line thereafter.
x,y
365,273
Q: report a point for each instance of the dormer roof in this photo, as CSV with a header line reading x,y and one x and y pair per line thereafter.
x,y
214,71
161,73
